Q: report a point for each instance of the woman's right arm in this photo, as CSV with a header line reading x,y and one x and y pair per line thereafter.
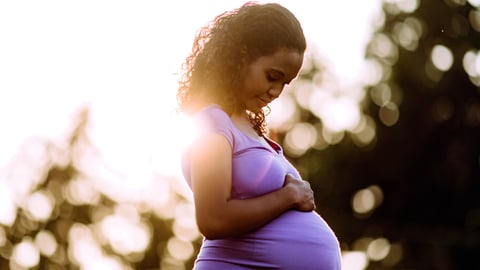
x,y
220,216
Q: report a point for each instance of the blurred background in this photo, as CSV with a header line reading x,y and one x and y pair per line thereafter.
x,y
384,121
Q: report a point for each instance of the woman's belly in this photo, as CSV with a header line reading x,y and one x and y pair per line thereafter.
x,y
295,240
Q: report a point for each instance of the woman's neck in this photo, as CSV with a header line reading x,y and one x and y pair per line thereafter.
x,y
242,121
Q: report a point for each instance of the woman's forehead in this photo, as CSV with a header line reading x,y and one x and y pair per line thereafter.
x,y
285,61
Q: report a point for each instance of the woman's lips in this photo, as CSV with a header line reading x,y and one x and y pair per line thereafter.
x,y
265,102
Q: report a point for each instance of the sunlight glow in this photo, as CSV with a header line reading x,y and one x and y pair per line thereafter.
x,y
122,63
132,94
337,114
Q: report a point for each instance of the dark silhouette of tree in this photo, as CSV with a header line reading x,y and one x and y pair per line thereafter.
x,y
424,162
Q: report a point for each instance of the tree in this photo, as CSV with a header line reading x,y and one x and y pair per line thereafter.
x,y
409,197
67,210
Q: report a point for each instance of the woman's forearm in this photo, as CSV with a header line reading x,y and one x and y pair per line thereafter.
x,y
239,216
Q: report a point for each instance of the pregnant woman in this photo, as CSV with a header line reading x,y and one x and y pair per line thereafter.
x,y
252,206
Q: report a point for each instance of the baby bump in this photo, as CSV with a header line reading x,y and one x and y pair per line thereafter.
x,y
295,240
298,240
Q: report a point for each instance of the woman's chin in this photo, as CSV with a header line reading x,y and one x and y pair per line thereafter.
x,y
255,109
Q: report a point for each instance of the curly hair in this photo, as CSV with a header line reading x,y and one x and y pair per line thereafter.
x,y
223,48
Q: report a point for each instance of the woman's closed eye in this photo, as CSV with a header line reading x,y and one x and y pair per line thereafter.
x,y
274,76
271,78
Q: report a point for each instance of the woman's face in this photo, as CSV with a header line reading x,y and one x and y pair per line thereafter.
x,y
266,77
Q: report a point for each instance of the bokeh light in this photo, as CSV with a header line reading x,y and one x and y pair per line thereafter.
x,y
337,113
389,114
180,249
405,6
373,72
113,228
394,255
8,210
46,243
382,46
354,260
26,254
39,205
378,249
364,133
475,3
474,18
471,64
408,33
300,138
442,57
364,201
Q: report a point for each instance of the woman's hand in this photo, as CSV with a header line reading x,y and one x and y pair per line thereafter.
x,y
302,192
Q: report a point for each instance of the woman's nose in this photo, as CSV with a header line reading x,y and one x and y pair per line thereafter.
x,y
275,92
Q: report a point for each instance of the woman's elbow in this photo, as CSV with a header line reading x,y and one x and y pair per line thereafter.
x,y
212,230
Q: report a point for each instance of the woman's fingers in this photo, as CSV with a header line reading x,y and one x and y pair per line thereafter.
x,y
305,195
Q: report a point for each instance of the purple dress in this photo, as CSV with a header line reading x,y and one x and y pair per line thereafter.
x,y
294,240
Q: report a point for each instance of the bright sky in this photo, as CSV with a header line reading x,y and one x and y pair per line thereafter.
x,y
121,57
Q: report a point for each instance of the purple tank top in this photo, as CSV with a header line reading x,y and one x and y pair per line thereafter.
x,y
294,240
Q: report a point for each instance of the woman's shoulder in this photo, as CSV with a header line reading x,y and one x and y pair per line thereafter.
x,y
211,109
213,118
212,114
